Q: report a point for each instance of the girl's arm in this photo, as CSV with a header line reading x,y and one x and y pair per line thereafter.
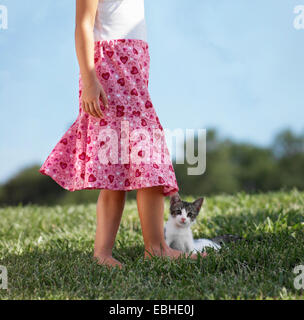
x,y
84,40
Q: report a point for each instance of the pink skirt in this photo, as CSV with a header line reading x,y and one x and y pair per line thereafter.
x,y
126,149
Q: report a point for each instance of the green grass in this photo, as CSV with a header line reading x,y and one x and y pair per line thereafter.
x,y
48,250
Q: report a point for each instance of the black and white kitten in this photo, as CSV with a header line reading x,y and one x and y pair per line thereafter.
x,y
178,233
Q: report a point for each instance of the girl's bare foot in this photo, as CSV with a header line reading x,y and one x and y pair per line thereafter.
x,y
171,253
107,260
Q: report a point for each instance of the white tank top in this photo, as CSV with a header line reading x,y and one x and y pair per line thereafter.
x,y
120,19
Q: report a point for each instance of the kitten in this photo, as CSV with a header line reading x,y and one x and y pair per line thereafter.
x,y
178,234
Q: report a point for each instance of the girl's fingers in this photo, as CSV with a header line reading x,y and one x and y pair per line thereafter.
x,y
88,110
92,110
97,108
84,107
104,98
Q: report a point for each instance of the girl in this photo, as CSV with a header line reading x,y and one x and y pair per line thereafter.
x,y
108,146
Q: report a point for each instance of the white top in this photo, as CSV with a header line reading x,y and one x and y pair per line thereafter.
x,y
120,19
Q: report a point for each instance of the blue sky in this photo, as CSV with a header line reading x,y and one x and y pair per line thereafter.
x,y
236,65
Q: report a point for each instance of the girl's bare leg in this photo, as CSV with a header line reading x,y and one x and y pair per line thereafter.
x,y
109,211
150,203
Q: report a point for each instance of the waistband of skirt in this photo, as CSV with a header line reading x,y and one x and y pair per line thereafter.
x,y
114,42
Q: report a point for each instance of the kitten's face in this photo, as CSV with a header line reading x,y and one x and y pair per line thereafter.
x,y
184,213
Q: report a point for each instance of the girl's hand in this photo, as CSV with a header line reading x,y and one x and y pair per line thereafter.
x,y
90,98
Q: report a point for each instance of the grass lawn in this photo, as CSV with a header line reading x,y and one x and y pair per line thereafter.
x,y
48,250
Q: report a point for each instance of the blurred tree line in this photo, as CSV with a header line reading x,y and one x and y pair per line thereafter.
x,y
231,167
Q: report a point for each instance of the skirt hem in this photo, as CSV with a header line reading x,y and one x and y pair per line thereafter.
x,y
169,193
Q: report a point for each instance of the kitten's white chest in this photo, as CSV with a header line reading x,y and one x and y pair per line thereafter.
x,y
178,238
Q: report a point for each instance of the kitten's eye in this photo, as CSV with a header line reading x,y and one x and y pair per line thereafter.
x,y
190,215
177,212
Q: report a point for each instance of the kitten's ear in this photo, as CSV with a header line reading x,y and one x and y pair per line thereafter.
x,y
174,198
198,204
